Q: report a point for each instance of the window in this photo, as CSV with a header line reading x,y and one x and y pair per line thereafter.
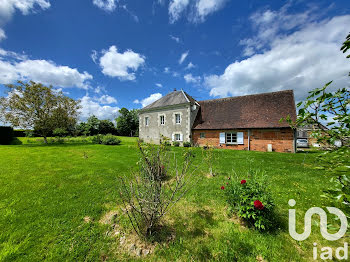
x,y
177,137
231,138
162,120
146,121
202,135
177,118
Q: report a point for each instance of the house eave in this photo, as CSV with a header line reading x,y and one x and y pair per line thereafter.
x,y
154,109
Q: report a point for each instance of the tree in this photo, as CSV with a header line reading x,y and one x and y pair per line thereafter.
x,y
127,122
106,127
333,110
33,105
92,125
346,46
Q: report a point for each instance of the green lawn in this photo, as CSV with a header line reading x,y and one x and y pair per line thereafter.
x,y
46,191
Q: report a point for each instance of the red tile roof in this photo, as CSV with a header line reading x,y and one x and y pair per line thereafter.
x,y
251,111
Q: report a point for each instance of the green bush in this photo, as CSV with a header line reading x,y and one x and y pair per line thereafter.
x,y
29,133
60,132
110,140
187,144
177,144
6,135
97,139
250,200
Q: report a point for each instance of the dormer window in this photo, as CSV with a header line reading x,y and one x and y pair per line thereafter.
x,y
177,118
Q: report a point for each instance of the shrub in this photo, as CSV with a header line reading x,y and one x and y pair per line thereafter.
x,y
6,135
177,144
147,198
97,139
29,133
249,199
187,144
60,132
110,140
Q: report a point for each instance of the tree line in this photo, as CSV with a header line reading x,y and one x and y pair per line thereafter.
x,y
49,112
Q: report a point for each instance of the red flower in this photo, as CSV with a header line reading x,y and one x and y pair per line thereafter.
x,y
258,205
222,188
243,181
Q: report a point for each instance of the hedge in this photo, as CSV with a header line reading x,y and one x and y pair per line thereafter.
x,y
6,135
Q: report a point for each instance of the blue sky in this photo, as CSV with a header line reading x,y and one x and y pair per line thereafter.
x,y
113,54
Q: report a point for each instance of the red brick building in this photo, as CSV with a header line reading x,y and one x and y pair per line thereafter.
x,y
244,123
247,122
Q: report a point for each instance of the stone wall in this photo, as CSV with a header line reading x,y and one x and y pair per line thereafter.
x,y
154,131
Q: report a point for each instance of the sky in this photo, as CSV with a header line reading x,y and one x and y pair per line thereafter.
x,y
128,53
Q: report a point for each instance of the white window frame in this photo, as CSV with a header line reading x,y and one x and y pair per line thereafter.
x,y
146,120
231,135
162,117
178,115
177,135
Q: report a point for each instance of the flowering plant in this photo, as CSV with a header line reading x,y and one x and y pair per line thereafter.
x,y
249,199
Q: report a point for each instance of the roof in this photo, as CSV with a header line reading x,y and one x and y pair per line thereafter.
x,y
173,98
251,111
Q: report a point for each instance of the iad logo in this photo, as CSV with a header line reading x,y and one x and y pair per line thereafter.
x,y
327,254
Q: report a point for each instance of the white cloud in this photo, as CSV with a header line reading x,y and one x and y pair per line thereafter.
x,y
106,100
183,57
196,10
91,106
270,25
15,67
159,85
190,65
121,65
2,35
148,100
94,56
106,5
189,78
206,7
8,8
176,8
303,60
176,39
133,16
166,70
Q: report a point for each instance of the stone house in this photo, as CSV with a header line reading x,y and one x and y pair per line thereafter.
x,y
249,122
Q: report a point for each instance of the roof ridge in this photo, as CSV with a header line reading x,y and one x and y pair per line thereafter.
x,y
233,97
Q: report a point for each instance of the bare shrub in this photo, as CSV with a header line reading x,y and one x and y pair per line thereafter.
x,y
149,196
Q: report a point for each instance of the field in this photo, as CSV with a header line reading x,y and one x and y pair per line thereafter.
x,y
52,198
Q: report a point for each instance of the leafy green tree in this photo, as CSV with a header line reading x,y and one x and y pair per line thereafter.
x,y
81,129
346,46
34,106
92,125
106,127
60,132
333,110
127,122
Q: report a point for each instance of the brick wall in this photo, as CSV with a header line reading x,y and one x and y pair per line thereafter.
x,y
282,140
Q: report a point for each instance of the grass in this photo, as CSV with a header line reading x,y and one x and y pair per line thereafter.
x,y
46,191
